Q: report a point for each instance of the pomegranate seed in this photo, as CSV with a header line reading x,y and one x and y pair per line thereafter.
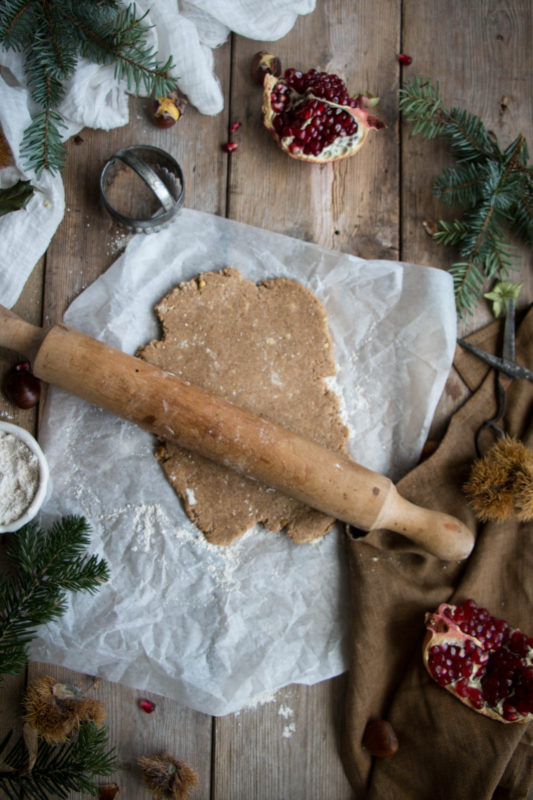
x,y
235,126
146,705
405,60
230,147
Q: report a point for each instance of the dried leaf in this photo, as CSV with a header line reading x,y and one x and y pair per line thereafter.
x,y
430,226
15,197
31,740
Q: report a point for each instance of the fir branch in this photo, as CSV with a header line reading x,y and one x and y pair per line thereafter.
x,y
58,770
17,23
459,186
46,564
494,187
120,39
467,135
42,146
53,34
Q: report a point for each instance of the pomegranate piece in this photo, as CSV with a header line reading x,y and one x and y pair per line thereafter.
x,y
146,705
313,118
481,660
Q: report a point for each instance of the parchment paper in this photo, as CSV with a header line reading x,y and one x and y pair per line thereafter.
x,y
217,628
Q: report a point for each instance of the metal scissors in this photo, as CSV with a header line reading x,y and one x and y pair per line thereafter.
x,y
506,368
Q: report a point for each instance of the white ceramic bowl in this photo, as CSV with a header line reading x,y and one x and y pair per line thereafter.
x,y
44,477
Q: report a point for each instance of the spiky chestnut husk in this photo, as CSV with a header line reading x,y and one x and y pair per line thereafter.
x,y
481,660
166,777
54,710
500,485
298,103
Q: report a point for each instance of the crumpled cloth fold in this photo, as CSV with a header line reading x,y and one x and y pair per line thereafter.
x,y
447,751
187,30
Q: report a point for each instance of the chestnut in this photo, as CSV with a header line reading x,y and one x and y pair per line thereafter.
x,y
167,110
264,63
380,739
20,386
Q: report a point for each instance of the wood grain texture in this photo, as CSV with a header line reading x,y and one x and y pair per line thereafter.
x,y
372,206
480,52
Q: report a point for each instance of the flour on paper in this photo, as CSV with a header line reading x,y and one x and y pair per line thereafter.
x,y
266,348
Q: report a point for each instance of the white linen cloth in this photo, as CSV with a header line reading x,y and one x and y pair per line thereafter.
x,y
187,30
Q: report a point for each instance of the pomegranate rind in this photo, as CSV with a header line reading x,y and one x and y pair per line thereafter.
x,y
444,632
342,147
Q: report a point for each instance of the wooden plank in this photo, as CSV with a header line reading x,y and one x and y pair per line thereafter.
x,y
28,307
352,206
480,52
170,728
285,747
85,245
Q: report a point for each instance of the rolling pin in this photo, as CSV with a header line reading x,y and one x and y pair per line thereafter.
x,y
178,411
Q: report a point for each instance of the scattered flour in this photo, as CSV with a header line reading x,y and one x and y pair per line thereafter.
x,y
284,711
19,477
333,386
287,714
288,730
191,497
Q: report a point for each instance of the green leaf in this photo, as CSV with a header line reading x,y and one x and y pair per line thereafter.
x,y
15,197
500,294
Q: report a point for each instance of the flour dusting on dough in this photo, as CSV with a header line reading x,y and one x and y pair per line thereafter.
x,y
266,348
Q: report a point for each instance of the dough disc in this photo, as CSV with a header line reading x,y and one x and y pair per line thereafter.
x,y
266,348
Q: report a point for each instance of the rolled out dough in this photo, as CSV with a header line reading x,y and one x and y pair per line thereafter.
x,y
266,348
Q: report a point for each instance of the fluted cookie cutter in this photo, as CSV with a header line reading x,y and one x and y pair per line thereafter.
x,y
159,171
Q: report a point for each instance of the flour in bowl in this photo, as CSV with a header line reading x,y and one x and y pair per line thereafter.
x,y
19,477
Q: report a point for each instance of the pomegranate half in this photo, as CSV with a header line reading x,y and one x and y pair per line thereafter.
x,y
481,660
312,117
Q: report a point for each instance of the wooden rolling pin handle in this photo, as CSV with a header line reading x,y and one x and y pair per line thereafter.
x,y
18,335
203,423
437,532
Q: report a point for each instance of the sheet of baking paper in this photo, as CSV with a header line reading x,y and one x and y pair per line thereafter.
x,y
216,628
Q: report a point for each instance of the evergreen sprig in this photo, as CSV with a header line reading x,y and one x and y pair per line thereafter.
x,y
58,769
44,565
493,186
53,35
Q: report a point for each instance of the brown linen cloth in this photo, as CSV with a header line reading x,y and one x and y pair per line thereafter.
x,y
447,751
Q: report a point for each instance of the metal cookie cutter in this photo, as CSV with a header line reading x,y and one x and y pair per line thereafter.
x,y
159,171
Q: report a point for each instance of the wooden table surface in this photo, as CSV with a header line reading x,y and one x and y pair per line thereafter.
x,y
372,205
